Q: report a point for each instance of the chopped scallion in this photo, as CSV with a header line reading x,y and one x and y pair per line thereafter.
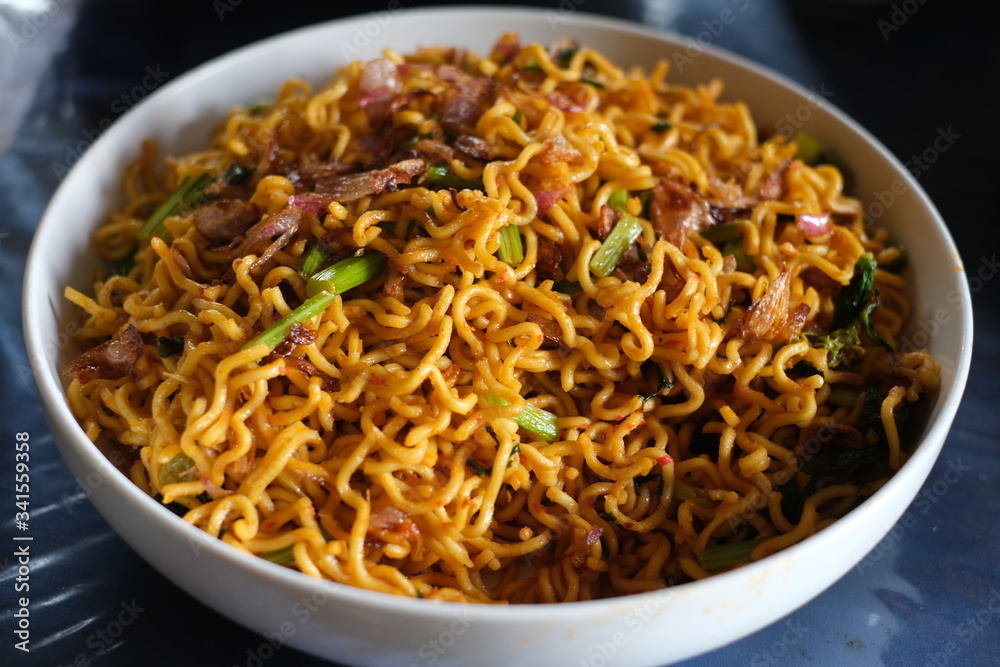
x,y
540,422
613,249
511,250
518,116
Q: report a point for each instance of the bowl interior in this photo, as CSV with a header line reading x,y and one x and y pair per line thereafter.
x,y
180,117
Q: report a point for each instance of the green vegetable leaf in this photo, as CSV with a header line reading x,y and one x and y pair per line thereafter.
x,y
841,345
829,460
662,379
479,468
866,322
169,347
852,298
661,126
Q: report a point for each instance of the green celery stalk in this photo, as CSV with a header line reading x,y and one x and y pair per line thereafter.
x,y
727,555
511,250
315,257
618,201
182,197
540,422
440,174
323,289
346,274
277,332
613,249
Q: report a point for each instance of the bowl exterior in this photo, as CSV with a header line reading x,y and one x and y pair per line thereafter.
x,y
359,627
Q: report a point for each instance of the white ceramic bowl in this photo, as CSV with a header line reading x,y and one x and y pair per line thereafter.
x,y
361,627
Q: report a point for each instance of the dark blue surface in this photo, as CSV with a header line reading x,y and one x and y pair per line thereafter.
x,y
927,594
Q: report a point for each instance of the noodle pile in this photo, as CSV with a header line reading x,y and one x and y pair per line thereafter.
x,y
709,409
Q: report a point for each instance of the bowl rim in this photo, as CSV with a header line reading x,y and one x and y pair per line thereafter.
x,y
52,390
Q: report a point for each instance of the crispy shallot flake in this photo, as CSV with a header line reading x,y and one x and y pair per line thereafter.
x,y
676,210
351,187
765,318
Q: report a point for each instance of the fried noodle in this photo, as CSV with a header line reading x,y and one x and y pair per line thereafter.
x,y
707,410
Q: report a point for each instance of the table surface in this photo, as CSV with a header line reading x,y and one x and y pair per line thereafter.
x,y
929,594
